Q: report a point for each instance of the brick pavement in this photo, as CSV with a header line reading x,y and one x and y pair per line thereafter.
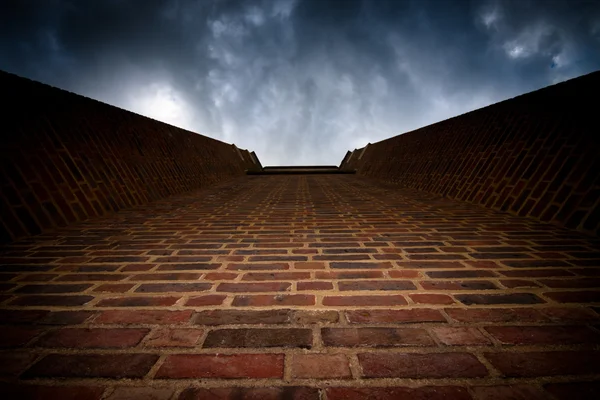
x,y
302,287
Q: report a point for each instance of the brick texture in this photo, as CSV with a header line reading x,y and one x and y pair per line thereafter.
x,y
534,155
301,287
68,158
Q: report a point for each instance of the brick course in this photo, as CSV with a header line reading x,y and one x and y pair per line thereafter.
x,y
535,155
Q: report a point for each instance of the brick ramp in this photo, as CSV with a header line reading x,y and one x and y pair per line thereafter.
x,y
302,287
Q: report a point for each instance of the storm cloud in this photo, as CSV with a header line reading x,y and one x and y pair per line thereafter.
x,y
299,81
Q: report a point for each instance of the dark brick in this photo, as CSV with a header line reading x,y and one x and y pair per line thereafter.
x,y
376,285
259,338
545,363
226,317
512,298
51,300
112,366
411,365
270,393
396,393
394,316
375,337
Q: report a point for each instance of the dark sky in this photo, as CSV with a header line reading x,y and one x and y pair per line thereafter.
x,y
299,81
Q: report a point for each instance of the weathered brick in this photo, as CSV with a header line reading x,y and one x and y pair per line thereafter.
x,y
525,392
394,393
392,300
348,274
49,288
249,366
411,365
114,287
266,393
112,366
360,265
254,287
259,338
375,337
497,315
314,285
173,337
376,285
511,298
459,336
545,363
315,317
182,276
140,393
274,300
206,300
173,287
431,298
51,300
580,296
138,301
394,316
457,285
143,317
92,338
548,335
309,265
320,366
259,266
275,276
226,317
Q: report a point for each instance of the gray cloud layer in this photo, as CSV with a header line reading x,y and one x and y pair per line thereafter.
x,y
299,81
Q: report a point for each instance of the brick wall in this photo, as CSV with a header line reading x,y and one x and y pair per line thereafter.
x,y
535,155
66,158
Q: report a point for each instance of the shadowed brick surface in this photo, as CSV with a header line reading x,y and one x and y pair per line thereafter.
x,y
388,326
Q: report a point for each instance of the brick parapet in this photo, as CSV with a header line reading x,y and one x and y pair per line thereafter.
x,y
536,155
67,158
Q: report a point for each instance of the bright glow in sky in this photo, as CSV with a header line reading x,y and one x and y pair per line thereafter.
x,y
300,81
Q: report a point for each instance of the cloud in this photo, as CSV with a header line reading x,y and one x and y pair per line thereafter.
x,y
299,81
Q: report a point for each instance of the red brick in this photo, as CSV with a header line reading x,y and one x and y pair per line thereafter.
x,y
511,298
50,288
259,267
207,300
249,366
189,267
457,285
259,338
114,366
173,337
314,285
173,287
181,276
394,316
309,265
519,315
396,393
218,276
376,285
143,317
140,393
430,298
430,264
274,300
517,392
275,276
392,300
114,287
360,265
459,336
348,274
51,300
254,287
262,393
226,317
404,273
375,337
93,338
412,365
137,301
320,366
545,363
548,335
